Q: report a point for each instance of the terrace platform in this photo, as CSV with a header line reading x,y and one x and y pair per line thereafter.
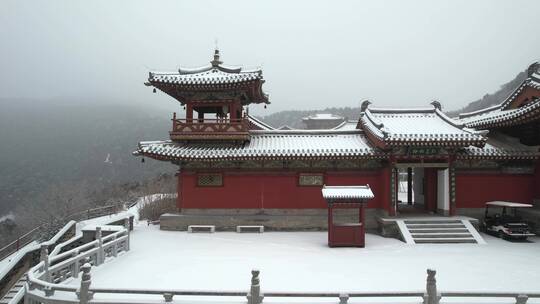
x,y
301,261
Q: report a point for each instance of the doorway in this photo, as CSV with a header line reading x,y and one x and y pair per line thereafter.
x,y
422,189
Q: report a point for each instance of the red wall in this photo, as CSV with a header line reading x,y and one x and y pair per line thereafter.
x,y
270,190
537,181
474,190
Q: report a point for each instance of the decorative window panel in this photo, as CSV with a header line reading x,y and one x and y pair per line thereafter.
x,y
310,180
210,180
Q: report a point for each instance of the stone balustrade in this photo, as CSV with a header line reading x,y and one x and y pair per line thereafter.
x,y
47,282
45,292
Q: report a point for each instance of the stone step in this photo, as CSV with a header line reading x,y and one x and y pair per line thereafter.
x,y
456,225
434,230
432,222
441,235
470,240
4,301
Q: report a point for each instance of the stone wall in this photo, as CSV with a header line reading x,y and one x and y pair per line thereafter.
x,y
271,219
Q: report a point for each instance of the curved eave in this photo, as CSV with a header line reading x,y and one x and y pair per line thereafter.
x,y
517,117
498,156
173,158
529,82
254,87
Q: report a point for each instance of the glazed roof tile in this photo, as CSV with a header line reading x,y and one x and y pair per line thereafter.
x,y
502,114
206,76
418,126
276,144
495,116
500,146
347,192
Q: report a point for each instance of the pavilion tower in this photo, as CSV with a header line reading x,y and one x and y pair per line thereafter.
x,y
218,95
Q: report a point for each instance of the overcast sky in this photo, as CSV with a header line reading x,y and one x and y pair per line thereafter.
x,y
314,54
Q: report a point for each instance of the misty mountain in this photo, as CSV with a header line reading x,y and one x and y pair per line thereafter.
x,y
50,143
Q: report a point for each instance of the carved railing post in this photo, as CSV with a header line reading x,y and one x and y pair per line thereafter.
x,y
76,265
100,253
343,298
114,246
255,296
44,257
127,225
431,296
84,294
521,299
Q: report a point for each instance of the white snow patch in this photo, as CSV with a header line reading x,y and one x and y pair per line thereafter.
x,y
302,261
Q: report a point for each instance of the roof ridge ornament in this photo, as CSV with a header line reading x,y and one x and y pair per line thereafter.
x,y
436,105
365,105
533,68
216,62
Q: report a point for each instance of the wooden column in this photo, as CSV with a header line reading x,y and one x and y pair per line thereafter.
x,y
330,222
200,116
179,190
189,113
409,186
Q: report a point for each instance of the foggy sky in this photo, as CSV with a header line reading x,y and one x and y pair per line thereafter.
x,y
314,54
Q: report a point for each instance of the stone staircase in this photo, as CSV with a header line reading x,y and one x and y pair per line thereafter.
x,y
14,295
440,231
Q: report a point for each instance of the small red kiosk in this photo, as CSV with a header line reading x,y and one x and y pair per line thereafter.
x,y
346,197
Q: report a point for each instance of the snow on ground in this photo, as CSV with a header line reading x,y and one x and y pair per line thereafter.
x,y
301,261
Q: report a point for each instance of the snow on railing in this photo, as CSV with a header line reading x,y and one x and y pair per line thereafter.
x,y
47,276
35,233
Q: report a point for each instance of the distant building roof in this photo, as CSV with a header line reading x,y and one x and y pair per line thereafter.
x,y
417,126
323,116
347,125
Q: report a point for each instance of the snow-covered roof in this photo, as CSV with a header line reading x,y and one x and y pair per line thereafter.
x,y
323,116
215,76
205,76
257,124
506,114
347,192
276,144
417,126
500,146
508,204
496,117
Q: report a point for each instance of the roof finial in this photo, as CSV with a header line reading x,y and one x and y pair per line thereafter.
x,y
216,60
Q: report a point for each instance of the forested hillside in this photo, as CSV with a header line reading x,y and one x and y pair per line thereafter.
x,y
294,118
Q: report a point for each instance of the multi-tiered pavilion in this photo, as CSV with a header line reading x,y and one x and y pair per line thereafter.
x,y
233,164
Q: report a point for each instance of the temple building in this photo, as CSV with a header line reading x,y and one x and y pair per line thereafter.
x,y
322,121
232,165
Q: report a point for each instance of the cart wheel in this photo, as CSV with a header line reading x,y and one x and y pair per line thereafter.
x,y
500,234
483,227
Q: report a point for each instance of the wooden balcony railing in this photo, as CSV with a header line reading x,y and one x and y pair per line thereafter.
x,y
211,129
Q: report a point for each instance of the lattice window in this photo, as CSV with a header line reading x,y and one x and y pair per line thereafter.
x,y
311,180
210,180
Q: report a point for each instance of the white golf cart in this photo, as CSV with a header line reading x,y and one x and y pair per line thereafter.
x,y
506,223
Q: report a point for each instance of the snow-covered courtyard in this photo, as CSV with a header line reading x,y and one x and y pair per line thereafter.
x,y
301,261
